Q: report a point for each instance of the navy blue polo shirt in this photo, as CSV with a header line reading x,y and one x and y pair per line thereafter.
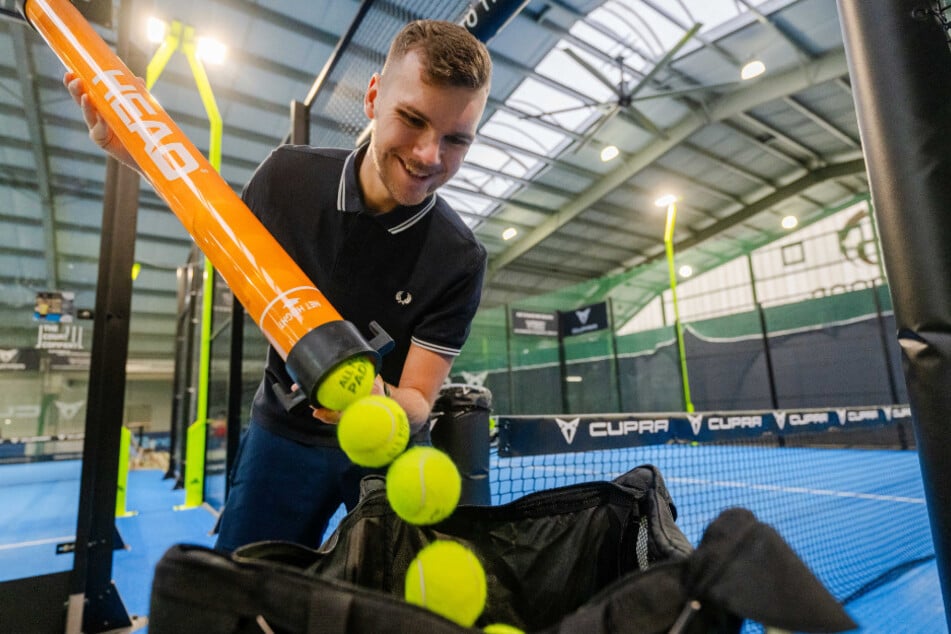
x,y
417,271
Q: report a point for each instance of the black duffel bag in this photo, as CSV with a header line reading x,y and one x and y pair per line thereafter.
x,y
598,557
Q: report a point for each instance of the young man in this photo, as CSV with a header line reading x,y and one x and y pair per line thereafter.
x,y
369,230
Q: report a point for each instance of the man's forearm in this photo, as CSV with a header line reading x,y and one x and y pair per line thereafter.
x,y
416,406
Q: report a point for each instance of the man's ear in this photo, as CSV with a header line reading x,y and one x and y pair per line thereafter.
x,y
370,97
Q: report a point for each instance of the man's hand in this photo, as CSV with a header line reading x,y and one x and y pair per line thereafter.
x,y
422,378
331,416
324,415
99,131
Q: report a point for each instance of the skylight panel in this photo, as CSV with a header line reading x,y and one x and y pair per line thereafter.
x,y
508,128
472,209
505,161
664,34
653,27
713,13
538,100
629,28
622,43
489,184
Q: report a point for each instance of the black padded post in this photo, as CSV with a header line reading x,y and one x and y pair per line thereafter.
x,y
461,429
900,66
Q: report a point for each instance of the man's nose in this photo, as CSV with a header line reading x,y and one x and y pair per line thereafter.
x,y
428,148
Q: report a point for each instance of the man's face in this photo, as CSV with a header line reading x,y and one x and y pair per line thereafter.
x,y
420,136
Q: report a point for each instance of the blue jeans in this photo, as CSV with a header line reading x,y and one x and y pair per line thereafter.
x,y
283,490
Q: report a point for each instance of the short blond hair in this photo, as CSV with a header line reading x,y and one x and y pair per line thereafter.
x,y
451,54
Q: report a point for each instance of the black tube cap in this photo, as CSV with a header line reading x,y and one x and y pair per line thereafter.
x,y
328,345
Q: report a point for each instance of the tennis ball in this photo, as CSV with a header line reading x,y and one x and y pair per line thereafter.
x,y
423,486
373,430
345,383
447,578
502,628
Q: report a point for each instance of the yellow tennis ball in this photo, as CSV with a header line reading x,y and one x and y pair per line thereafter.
x,y
502,628
345,383
447,578
423,486
373,430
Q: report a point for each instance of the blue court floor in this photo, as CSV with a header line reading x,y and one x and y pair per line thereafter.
x,y
38,507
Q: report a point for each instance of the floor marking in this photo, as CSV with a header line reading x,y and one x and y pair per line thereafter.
x,y
567,471
38,542
787,489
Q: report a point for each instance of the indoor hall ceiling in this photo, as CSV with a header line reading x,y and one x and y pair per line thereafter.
x,y
740,156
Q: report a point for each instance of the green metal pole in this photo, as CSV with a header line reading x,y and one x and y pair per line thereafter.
x,y
198,430
669,247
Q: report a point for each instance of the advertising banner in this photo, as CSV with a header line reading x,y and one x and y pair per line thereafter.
x,y
534,435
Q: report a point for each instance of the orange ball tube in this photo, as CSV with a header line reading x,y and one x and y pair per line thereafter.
x,y
272,288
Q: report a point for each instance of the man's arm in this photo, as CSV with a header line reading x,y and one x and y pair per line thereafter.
x,y
423,375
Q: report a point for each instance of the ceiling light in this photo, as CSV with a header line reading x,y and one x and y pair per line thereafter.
x,y
686,270
509,233
790,222
211,50
609,153
752,69
574,378
666,200
155,30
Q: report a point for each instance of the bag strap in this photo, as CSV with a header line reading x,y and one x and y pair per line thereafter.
x,y
284,553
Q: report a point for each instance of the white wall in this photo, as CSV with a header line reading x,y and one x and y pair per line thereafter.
x,y
832,255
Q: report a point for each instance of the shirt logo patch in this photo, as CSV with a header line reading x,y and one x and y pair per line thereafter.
x,y
403,297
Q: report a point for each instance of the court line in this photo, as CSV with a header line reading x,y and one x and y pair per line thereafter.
x,y
785,489
38,542
568,471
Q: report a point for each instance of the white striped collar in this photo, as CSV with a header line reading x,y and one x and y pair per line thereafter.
x,y
350,198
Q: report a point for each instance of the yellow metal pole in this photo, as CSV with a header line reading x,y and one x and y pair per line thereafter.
x,y
184,36
125,447
207,97
669,247
169,45
198,430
